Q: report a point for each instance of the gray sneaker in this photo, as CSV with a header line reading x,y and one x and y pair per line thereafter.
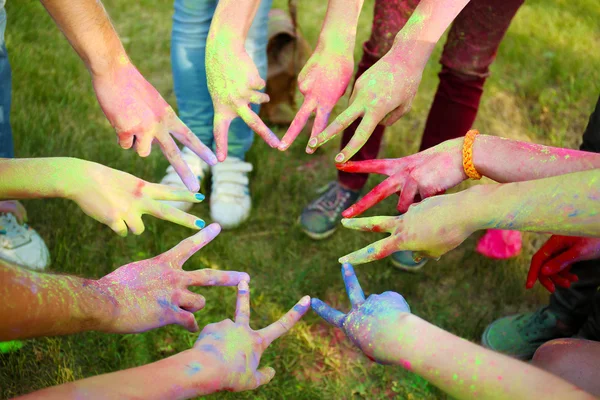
x,y
520,335
322,216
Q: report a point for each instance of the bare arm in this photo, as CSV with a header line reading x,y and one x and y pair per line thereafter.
x,y
385,330
89,30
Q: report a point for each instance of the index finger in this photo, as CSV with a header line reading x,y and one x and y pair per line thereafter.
x,y
361,136
376,251
339,124
285,323
256,124
297,124
329,314
191,141
377,166
187,247
215,277
355,292
173,155
380,192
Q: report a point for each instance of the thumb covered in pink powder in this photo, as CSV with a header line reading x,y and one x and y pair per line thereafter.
x,y
500,244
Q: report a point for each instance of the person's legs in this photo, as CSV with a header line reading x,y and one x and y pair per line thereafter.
x,y
191,23
574,360
19,243
321,217
388,18
471,48
6,140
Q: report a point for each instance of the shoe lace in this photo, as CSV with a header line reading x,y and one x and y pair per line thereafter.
x,y
332,201
531,324
11,230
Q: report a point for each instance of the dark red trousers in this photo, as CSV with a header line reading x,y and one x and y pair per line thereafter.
x,y
471,48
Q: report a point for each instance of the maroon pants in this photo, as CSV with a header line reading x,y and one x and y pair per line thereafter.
x,y
471,48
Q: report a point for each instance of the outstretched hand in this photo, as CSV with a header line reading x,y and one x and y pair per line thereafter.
x,y
152,293
432,227
119,199
551,264
140,116
322,81
234,83
370,323
428,173
383,94
235,349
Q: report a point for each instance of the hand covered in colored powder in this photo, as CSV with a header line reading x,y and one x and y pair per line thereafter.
x,y
371,322
15,208
551,264
382,94
432,227
141,116
234,83
119,199
322,81
152,293
426,174
235,349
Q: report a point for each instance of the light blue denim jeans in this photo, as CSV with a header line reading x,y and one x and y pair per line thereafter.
x,y
6,140
191,23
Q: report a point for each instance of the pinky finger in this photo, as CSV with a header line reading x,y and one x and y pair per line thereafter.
x,y
258,97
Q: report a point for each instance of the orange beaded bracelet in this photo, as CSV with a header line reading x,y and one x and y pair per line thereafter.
x,y
468,166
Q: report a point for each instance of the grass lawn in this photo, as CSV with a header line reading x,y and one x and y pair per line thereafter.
x,y
543,87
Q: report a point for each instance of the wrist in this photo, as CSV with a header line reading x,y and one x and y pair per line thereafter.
x,y
67,173
482,206
338,42
410,51
201,373
100,306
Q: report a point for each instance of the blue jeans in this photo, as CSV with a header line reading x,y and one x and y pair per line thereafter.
x,y
6,140
191,23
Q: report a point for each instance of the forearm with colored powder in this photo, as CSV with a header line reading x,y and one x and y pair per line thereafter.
x,y
88,29
38,304
565,204
28,178
468,371
338,33
505,160
175,378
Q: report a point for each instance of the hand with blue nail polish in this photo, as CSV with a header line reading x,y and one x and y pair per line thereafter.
x,y
151,293
234,349
119,200
370,323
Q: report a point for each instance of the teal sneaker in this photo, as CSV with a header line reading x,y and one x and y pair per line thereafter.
x,y
405,261
322,216
520,335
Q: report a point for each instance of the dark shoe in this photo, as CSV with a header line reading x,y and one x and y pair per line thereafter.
x,y
321,217
520,335
404,260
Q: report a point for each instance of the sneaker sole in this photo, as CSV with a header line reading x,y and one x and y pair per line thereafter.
x,y
316,236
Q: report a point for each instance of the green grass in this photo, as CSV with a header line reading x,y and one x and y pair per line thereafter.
x,y
543,87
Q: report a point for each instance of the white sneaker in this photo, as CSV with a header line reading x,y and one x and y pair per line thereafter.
x,y
21,245
198,167
230,201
